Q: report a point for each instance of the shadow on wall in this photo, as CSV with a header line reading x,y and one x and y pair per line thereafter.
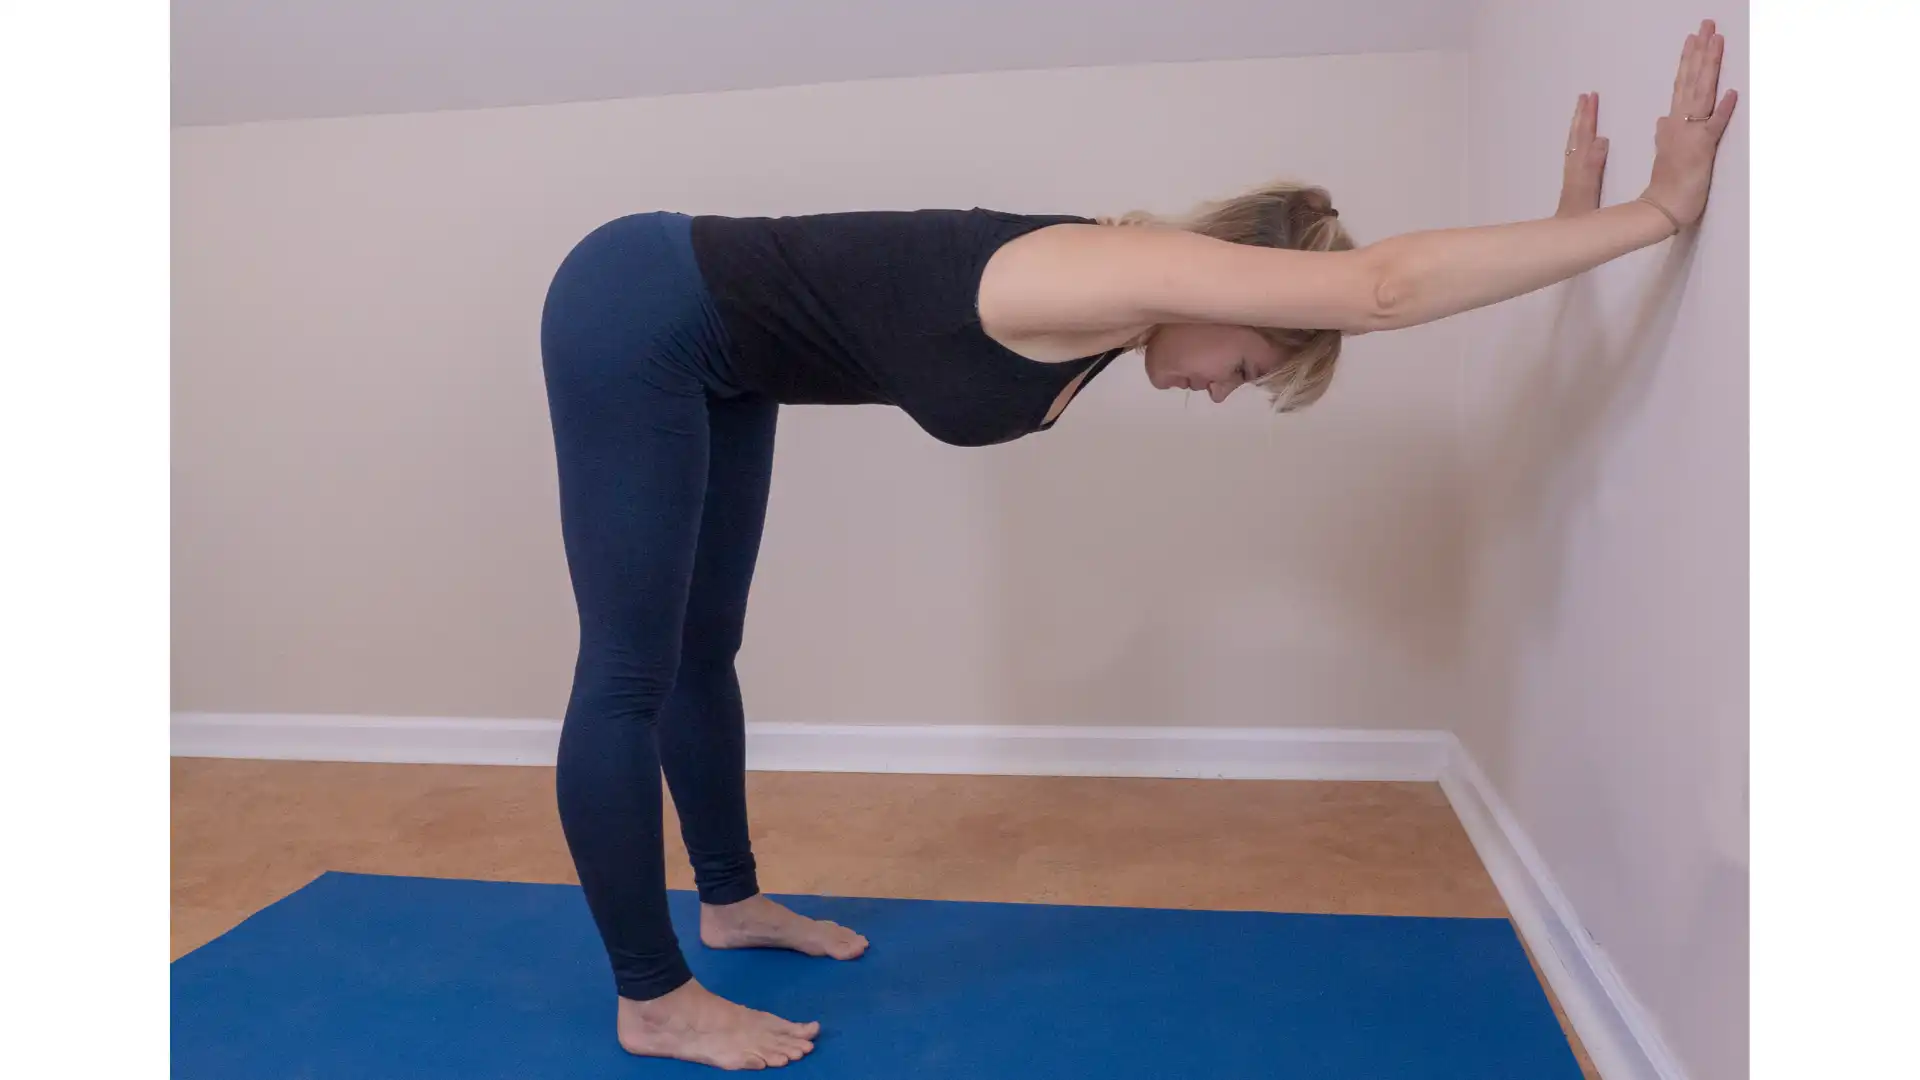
x,y
1231,570
1534,463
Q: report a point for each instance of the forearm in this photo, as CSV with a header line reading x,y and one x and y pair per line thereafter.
x,y
1430,275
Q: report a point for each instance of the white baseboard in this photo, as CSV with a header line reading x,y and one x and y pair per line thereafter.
x,y
1617,1032
1229,753
418,740
1214,753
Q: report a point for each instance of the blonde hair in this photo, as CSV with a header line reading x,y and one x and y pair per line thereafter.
x,y
1283,214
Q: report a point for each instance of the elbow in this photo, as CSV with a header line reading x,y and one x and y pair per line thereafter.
x,y
1386,298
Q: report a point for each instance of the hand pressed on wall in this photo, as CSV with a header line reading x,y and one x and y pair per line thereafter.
x,y
1684,149
1586,156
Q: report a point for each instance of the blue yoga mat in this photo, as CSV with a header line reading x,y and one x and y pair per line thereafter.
x,y
398,978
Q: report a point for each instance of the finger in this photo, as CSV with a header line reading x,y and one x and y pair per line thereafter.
x,y
1690,69
1593,115
1582,128
1573,126
1680,79
1710,53
1592,157
1689,76
1723,113
1702,55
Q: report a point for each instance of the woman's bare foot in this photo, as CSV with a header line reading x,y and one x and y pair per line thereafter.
x,y
694,1024
759,923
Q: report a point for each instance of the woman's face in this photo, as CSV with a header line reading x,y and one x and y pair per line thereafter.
x,y
1208,357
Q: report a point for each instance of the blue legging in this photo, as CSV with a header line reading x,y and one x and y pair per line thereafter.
x,y
664,467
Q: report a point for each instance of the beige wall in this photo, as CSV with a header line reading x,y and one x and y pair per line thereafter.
x,y
1605,431
364,498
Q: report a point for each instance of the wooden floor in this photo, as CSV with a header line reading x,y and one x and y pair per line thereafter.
x,y
246,833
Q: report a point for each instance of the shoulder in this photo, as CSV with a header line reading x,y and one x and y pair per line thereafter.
x,y
1076,276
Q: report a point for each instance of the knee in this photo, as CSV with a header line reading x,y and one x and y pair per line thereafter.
x,y
614,681
712,637
709,653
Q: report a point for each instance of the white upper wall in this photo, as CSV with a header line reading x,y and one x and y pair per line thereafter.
x,y
238,61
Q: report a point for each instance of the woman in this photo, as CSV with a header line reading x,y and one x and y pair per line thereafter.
x,y
668,343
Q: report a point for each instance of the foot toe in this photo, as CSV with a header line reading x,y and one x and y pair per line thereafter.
x,y
783,1026
793,1046
782,1049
